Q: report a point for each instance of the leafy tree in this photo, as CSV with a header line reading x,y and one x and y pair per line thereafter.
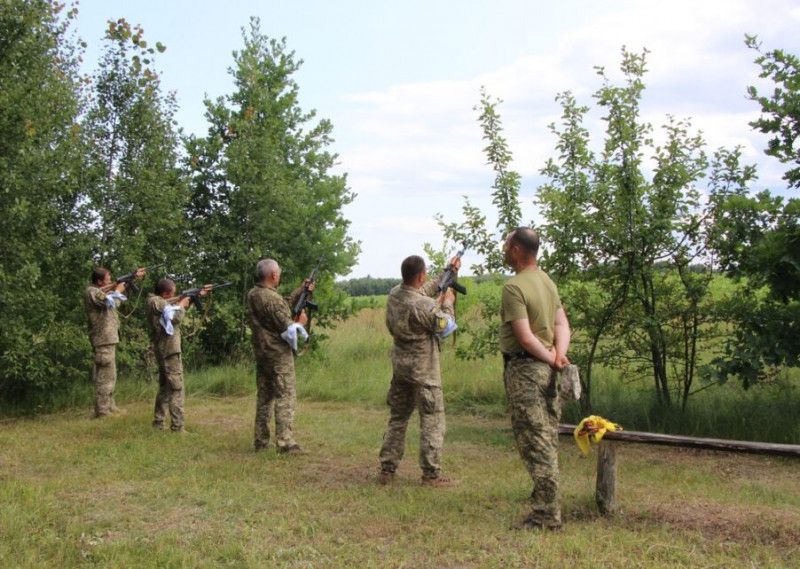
x,y
625,235
133,209
262,184
135,194
473,231
631,238
758,237
40,99
781,109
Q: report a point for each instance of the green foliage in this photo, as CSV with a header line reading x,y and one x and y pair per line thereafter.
x,y
626,236
90,174
758,238
262,184
367,286
473,231
781,109
135,196
636,234
40,98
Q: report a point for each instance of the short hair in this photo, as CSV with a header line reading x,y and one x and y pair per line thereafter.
x,y
164,285
412,267
99,273
527,239
265,267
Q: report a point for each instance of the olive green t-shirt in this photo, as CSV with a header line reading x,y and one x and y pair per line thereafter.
x,y
533,295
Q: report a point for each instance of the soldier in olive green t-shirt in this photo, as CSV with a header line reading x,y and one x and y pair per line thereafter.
x,y
534,339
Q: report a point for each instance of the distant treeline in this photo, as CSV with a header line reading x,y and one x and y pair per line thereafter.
x,y
367,286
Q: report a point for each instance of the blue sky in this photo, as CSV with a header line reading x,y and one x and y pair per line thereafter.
x,y
400,82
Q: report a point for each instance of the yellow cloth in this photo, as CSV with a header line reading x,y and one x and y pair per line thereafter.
x,y
592,429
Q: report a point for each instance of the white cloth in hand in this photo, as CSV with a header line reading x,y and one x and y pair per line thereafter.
x,y
290,336
111,296
166,318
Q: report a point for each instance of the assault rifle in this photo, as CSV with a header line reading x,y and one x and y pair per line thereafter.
x,y
130,278
449,279
304,300
193,294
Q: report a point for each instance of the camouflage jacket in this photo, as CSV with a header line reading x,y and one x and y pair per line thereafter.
x,y
103,320
163,344
270,315
413,323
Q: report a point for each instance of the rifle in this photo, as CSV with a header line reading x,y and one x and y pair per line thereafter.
x,y
449,279
304,300
193,294
130,278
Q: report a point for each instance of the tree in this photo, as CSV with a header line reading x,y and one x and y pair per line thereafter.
x,y
262,182
474,233
134,193
758,238
781,110
473,230
625,236
40,99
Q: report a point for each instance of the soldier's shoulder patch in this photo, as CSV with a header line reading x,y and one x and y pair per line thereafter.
x,y
441,323
100,295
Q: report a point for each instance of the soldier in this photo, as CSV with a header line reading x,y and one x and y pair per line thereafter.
x,y
417,323
275,338
102,298
164,314
534,339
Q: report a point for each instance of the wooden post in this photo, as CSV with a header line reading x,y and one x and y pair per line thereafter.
x,y
606,490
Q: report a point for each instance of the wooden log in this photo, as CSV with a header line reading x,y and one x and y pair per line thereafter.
x,y
605,494
774,449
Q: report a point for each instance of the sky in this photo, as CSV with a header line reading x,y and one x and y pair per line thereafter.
x,y
400,82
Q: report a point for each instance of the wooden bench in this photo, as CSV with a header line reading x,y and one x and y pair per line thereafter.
x,y
606,487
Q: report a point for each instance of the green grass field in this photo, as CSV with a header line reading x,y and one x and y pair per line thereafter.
x,y
76,492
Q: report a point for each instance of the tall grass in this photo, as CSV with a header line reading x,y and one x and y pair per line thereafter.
x,y
354,366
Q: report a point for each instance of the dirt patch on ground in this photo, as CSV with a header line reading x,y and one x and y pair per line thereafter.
x,y
724,523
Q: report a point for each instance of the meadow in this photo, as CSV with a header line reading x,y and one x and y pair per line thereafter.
x,y
76,492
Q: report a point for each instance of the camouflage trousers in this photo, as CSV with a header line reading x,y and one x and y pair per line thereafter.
x,y
171,393
535,411
403,398
276,394
104,378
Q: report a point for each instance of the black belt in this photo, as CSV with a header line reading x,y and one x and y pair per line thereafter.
x,y
518,356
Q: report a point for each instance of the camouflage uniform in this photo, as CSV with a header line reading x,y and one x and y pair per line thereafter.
x,y
531,389
416,381
104,336
167,348
270,315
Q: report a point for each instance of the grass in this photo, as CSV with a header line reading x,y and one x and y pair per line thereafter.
x,y
76,492
113,493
